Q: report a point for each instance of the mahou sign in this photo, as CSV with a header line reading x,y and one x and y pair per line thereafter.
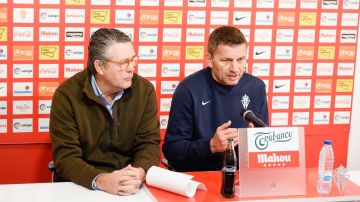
x,y
273,147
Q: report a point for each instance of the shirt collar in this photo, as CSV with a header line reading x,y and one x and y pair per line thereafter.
x,y
100,94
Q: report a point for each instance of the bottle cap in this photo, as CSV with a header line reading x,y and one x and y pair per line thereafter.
x,y
328,142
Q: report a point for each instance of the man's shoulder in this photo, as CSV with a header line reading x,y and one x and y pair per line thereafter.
x,y
76,82
253,80
141,82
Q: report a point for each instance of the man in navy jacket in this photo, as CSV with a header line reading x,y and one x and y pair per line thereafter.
x,y
205,109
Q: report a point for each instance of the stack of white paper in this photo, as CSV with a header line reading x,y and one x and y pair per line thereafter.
x,y
179,183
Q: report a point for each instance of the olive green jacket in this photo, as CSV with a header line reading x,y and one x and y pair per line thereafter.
x,y
87,140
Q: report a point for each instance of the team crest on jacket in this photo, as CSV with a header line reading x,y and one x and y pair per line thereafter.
x,y
245,100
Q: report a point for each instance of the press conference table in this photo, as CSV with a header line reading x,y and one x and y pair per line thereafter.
x,y
67,191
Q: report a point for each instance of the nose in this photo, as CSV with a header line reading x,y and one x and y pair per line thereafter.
x,y
130,68
235,66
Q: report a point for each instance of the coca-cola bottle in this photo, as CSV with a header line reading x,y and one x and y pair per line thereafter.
x,y
229,171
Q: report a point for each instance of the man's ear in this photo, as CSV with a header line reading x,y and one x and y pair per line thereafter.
x,y
99,67
209,60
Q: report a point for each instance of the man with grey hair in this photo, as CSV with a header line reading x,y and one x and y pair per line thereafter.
x,y
103,121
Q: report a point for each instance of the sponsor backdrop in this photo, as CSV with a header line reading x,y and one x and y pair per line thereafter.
x,y
304,51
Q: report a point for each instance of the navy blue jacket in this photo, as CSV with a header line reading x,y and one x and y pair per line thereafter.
x,y
199,105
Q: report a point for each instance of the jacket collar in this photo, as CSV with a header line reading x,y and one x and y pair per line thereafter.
x,y
89,92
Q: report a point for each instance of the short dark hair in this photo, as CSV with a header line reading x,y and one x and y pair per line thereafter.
x,y
227,35
99,43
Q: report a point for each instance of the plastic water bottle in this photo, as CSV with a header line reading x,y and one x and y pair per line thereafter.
x,y
325,169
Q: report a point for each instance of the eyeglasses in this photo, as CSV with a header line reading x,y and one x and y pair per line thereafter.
x,y
126,62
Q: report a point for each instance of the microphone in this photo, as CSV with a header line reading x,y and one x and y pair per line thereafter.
x,y
249,116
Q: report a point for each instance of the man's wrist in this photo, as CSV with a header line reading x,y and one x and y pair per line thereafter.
x,y
94,184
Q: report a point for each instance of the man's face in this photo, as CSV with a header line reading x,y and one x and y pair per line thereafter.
x,y
119,66
228,63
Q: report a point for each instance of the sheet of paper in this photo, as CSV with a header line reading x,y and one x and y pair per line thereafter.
x,y
179,183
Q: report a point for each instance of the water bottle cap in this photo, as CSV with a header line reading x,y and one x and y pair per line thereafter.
x,y
328,142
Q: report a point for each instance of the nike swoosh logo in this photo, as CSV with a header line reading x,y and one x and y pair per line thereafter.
x,y
205,103
240,18
259,53
279,86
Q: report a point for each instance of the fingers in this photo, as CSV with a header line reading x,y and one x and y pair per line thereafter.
x,y
251,125
224,125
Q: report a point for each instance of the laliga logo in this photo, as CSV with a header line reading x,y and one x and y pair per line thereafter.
x,y
43,15
42,107
262,140
17,71
68,52
16,125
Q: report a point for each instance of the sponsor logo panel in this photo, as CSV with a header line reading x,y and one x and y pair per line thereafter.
x,y
344,85
99,16
22,107
44,106
43,124
194,53
47,88
22,125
